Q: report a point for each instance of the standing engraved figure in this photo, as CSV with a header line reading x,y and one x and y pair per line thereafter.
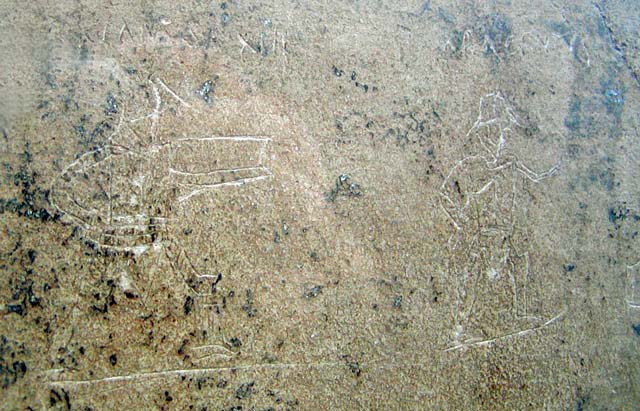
x,y
488,258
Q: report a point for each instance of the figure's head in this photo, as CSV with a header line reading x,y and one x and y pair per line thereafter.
x,y
495,123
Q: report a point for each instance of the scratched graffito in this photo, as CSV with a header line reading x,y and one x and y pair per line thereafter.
x,y
143,191
489,265
633,287
120,194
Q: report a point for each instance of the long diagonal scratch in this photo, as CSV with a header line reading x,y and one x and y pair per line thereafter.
x,y
190,372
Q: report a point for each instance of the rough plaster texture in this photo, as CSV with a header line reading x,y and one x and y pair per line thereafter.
x,y
309,205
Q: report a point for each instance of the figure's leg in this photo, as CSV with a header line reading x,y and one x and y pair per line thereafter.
x,y
463,272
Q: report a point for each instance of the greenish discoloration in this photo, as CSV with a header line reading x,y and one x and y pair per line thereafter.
x,y
562,29
606,178
445,16
613,94
578,120
495,31
457,40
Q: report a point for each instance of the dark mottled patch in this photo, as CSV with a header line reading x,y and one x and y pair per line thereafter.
x,y
313,291
617,214
581,402
457,39
495,31
248,306
19,309
206,89
33,201
202,284
580,118
606,31
413,128
353,365
606,177
188,305
353,78
636,329
445,16
111,106
245,390
600,110
344,187
104,296
613,95
61,397
12,365
98,131
425,8
561,28
32,254
24,295
85,53
573,120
